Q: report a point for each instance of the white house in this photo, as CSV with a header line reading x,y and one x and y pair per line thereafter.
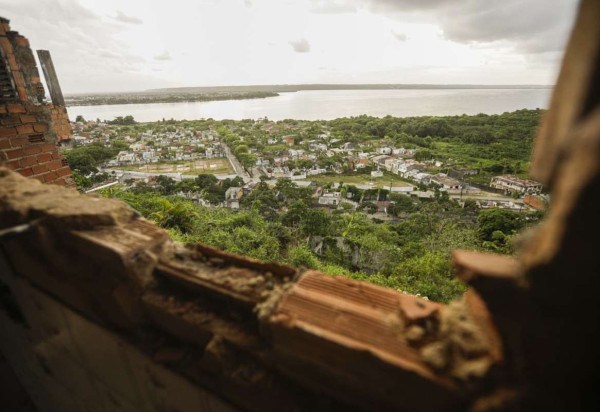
x,y
330,199
445,182
514,184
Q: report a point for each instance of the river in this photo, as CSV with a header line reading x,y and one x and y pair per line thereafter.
x,y
332,104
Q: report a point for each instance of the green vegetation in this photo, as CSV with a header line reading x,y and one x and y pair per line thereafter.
x,y
123,121
141,98
85,159
279,224
409,251
489,144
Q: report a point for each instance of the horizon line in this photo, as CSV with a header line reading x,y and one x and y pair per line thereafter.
x,y
340,86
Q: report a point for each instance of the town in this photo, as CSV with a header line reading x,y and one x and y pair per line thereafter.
x,y
306,153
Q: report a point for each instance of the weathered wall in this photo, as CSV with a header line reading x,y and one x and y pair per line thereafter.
x,y
68,363
28,145
30,129
22,65
261,335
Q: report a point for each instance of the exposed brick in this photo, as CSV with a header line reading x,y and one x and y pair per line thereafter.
x,y
15,108
56,155
45,157
2,109
37,169
19,81
18,141
25,129
54,165
33,150
13,164
50,176
22,92
22,41
63,171
14,154
11,120
40,127
26,172
8,131
36,138
28,161
27,118
12,62
4,143
48,147
6,46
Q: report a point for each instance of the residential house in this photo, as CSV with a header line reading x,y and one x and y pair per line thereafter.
x,y
514,184
233,196
380,160
289,140
445,182
408,165
330,199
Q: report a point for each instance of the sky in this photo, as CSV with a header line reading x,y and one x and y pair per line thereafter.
x,y
129,45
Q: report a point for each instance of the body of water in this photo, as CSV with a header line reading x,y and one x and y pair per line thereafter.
x,y
332,104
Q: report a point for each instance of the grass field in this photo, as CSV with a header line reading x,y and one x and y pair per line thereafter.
x,y
384,181
217,166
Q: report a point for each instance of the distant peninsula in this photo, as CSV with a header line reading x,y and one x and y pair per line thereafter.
x,y
160,97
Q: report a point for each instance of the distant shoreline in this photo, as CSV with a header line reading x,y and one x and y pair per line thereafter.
x,y
327,105
147,98
303,87
221,93
274,88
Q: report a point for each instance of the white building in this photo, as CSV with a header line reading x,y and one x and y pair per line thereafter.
x,y
514,184
330,199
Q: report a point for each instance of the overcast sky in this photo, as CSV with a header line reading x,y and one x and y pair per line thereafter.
x,y
121,45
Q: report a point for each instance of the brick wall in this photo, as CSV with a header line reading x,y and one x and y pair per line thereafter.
x,y
28,146
30,129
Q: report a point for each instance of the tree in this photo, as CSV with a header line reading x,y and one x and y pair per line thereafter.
x,y
166,185
494,220
206,181
315,222
79,119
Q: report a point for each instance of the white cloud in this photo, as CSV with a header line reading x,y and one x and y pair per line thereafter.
x,y
163,56
400,36
122,17
300,46
140,44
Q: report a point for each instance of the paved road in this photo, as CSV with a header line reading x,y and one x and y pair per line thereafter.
x,y
237,167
